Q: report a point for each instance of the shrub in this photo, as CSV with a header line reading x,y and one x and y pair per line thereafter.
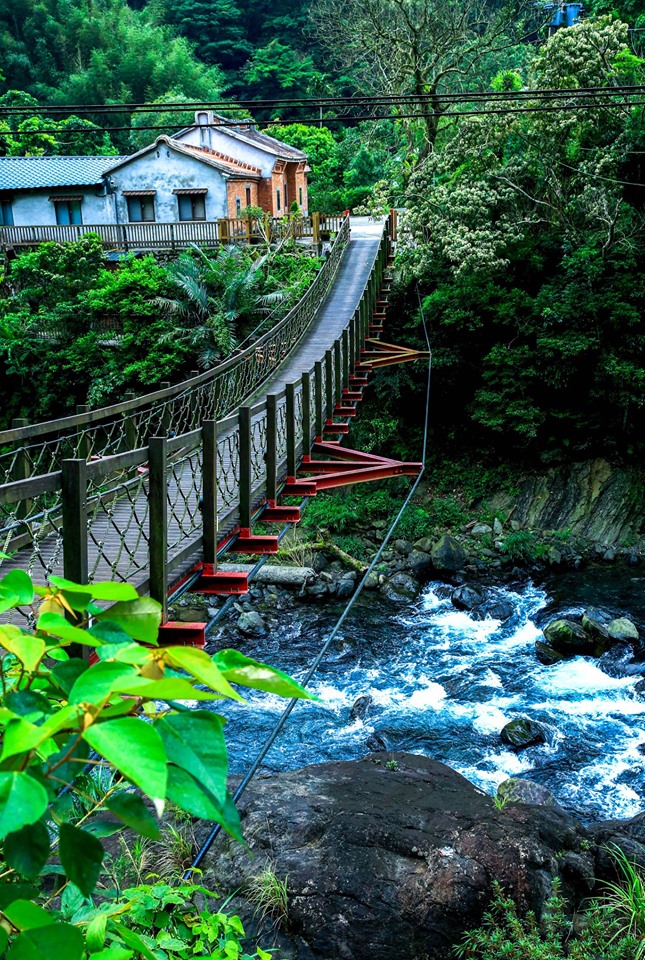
x,y
89,749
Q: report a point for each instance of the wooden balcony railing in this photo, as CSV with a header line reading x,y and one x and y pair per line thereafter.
x,y
128,237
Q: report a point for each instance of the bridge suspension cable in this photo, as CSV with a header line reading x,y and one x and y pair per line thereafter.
x,y
280,724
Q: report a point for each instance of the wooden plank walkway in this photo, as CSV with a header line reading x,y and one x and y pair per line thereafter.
x,y
118,528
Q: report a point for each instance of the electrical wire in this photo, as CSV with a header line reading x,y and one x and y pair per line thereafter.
x,y
347,119
308,102
279,726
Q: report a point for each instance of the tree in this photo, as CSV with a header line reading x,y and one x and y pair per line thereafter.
x,y
420,47
530,238
278,70
216,27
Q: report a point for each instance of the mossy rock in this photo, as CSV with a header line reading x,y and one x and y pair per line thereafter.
x,y
523,732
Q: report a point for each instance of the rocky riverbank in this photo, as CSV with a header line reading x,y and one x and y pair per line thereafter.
x,y
394,857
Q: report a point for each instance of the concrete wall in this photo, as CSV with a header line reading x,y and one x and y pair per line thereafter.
x,y
34,208
165,170
219,140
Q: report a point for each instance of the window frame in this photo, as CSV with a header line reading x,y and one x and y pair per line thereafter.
x,y
6,207
148,201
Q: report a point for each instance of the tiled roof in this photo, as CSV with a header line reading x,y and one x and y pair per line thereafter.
x,y
268,143
226,164
29,173
237,166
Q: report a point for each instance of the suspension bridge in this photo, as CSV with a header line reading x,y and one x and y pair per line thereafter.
x,y
153,490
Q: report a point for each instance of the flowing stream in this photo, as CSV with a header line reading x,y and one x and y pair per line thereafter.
x,y
444,684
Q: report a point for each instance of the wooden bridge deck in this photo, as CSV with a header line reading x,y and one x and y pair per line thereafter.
x,y
118,527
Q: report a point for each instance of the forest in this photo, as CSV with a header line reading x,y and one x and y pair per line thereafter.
x,y
519,191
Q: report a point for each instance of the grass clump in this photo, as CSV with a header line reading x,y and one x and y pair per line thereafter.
x,y
268,893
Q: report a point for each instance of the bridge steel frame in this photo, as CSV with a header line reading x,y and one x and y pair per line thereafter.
x,y
155,514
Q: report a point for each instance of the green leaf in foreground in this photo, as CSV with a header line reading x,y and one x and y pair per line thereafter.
x,y
98,591
81,855
139,618
135,748
189,795
131,809
19,583
54,942
22,801
201,666
195,742
250,673
26,850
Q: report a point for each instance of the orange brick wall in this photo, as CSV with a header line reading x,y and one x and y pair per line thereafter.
x,y
237,188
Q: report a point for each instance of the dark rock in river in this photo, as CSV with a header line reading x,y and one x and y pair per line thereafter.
x,y
251,624
622,630
569,639
447,554
400,589
596,630
522,732
467,598
547,655
629,835
639,689
515,790
393,863
377,742
499,609
361,707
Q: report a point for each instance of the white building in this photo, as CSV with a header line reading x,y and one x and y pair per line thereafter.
x,y
206,172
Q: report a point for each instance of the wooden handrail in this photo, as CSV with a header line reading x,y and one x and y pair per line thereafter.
x,y
93,417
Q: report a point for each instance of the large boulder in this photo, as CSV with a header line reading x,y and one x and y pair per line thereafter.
x,y
467,598
447,554
515,790
400,589
622,630
568,638
392,857
251,624
523,732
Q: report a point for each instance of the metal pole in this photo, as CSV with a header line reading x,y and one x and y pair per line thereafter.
x,y
158,519
209,491
306,413
246,469
272,448
291,431
320,416
74,494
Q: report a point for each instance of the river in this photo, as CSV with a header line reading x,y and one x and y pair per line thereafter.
x,y
444,684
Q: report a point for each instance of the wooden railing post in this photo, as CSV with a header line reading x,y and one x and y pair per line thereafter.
x,y
345,377
165,415
306,413
338,372
272,449
83,440
209,491
74,500
315,227
158,522
129,427
291,432
320,416
329,384
21,467
222,226
246,467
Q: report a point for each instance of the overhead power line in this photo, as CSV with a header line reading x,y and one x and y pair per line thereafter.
x,y
302,103
350,118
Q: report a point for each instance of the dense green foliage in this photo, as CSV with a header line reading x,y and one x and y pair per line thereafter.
x,y
95,329
529,249
90,749
505,934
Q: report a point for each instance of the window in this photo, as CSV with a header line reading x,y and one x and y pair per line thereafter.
x,y
141,209
6,213
192,206
248,196
277,197
68,210
238,206
300,197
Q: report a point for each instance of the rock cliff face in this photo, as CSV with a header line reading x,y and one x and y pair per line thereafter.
x,y
592,499
394,856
